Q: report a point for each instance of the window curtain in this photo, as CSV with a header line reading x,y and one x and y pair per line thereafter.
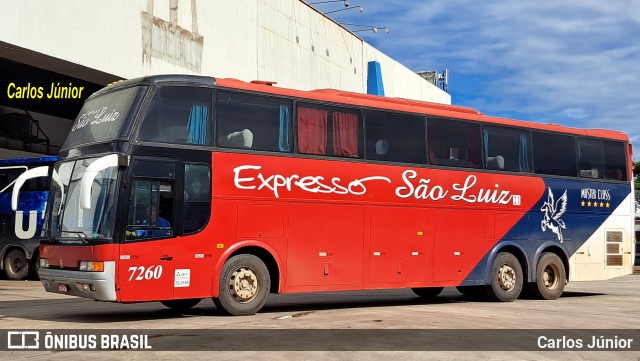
x,y
198,124
284,143
345,134
523,157
312,131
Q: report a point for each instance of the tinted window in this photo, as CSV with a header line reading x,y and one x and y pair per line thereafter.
x,y
197,197
554,154
590,158
151,200
155,169
253,122
395,137
454,143
507,149
180,115
329,131
615,160
102,118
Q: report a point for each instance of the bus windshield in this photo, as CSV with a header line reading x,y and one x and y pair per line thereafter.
x,y
103,118
68,218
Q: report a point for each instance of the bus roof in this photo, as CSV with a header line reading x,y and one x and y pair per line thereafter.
x,y
367,100
413,106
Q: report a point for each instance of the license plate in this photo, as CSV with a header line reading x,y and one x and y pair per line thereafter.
x,y
62,288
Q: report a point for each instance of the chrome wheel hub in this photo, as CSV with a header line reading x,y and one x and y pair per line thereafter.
x,y
243,285
506,277
549,277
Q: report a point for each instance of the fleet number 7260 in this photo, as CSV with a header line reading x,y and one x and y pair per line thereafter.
x,y
141,273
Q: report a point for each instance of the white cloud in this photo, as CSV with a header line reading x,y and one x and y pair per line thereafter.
x,y
575,113
573,62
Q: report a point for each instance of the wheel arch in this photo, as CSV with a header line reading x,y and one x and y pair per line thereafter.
x,y
549,247
258,249
513,248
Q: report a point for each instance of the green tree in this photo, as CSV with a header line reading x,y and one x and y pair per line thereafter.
x,y
636,174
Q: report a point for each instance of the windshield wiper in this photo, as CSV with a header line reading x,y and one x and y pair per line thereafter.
x,y
80,234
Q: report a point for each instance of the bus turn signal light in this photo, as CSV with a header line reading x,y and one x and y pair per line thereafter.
x,y
92,266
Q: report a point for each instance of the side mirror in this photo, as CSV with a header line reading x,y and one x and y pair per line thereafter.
x,y
90,175
30,174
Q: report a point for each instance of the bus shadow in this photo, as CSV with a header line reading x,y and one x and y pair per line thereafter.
x,y
87,311
569,294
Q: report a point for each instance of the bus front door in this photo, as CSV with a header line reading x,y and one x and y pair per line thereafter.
x,y
148,253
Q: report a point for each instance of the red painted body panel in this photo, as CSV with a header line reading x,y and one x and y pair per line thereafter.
x,y
329,225
68,256
196,253
356,226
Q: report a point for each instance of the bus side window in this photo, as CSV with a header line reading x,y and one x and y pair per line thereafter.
x,y
395,137
454,143
615,160
197,197
150,210
178,115
249,121
554,154
590,158
329,131
506,149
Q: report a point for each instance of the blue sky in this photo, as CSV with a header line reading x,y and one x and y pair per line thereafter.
x,y
571,62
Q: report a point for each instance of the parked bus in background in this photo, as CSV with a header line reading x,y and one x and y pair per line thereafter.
x,y
178,188
20,230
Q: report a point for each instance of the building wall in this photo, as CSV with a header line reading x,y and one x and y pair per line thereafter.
x,y
278,40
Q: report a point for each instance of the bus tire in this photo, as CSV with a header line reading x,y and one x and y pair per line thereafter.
x,y
427,292
16,266
551,278
472,291
244,285
181,305
506,278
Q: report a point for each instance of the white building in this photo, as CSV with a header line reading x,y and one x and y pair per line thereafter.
x,y
91,43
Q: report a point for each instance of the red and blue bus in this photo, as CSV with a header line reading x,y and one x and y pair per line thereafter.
x,y
177,188
20,230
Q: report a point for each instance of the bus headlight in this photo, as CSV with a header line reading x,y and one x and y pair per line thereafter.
x,y
92,266
44,263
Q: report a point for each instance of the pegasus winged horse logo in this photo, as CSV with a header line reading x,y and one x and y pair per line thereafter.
x,y
553,210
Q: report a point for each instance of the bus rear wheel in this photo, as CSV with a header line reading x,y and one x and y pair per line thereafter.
x,y
427,292
550,278
244,285
181,305
506,278
16,266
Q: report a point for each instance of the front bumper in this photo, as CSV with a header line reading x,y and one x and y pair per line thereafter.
x,y
99,286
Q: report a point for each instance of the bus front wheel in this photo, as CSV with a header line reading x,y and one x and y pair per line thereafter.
x,y
244,285
506,278
16,266
550,278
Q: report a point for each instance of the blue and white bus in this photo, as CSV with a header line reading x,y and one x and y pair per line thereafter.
x,y
20,230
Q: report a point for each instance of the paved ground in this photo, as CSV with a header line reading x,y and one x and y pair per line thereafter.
x,y
612,304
